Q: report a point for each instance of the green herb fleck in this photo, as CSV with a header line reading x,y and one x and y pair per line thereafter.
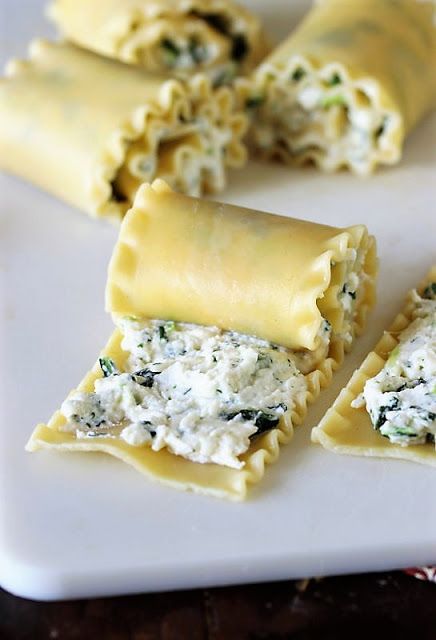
x,y
332,101
225,76
197,50
298,74
170,326
145,377
170,51
392,406
334,80
108,367
346,291
262,420
430,291
166,329
265,422
382,128
394,355
254,102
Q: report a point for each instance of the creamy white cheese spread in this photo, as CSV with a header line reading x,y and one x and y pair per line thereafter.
x,y
352,290
212,43
200,392
319,115
401,398
188,156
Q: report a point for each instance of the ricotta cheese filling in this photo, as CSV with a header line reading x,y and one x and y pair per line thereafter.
x,y
189,156
304,114
351,292
194,42
202,393
401,398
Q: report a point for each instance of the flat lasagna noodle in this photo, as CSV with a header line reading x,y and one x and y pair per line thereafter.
x,y
91,130
347,86
176,471
348,430
196,246
178,36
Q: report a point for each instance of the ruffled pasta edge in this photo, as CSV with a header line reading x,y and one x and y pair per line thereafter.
x,y
176,471
175,98
390,142
319,292
347,430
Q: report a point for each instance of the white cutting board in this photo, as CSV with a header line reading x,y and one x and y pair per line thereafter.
x,y
82,525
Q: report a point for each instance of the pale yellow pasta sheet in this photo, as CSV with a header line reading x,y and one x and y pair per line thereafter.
x,y
219,37
90,130
348,85
183,258
176,471
348,430
215,264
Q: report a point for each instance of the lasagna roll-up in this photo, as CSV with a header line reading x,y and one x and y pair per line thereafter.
x,y
229,321
176,36
348,85
90,130
388,408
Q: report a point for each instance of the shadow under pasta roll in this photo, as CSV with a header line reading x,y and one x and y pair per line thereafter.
x,y
90,130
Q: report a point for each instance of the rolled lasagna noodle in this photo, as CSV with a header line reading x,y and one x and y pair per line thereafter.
x,y
91,130
346,427
215,36
280,279
348,85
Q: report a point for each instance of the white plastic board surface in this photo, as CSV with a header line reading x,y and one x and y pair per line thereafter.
x,y
83,525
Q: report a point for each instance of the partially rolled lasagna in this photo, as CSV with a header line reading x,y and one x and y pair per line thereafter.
x,y
388,408
180,37
229,321
90,130
347,86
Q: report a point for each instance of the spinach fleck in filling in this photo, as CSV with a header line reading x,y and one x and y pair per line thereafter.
x,y
189,52
201,392
300,112
401,398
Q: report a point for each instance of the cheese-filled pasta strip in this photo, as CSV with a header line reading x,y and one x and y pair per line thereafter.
x,y
177,36
348,85
243,270
388,409
229,322
90,130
